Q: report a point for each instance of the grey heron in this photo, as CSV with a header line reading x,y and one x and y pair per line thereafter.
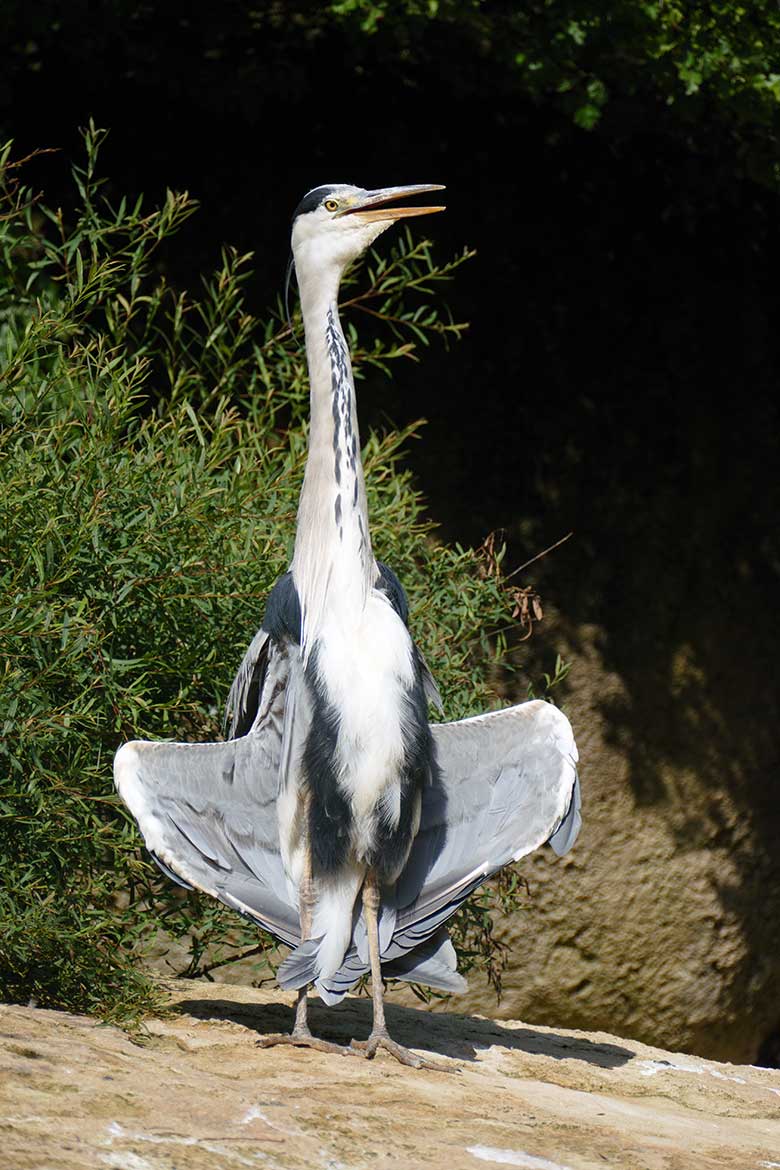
x,y
336,816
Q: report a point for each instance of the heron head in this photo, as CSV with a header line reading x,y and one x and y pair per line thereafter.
x,y
334,224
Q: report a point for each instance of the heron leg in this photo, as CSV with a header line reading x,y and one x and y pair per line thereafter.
x,y
380,1037
306,914
301,1035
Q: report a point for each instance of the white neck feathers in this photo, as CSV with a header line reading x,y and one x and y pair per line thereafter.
x,y
333,564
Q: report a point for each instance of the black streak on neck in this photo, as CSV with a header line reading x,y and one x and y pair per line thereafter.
x,y
344,440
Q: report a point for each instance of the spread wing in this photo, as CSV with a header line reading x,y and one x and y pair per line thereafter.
x,y
507,781
507,784
208,811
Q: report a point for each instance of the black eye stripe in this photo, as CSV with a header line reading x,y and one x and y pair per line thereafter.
x,y
312,200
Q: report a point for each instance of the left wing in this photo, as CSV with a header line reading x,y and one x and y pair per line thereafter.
x,y
208,811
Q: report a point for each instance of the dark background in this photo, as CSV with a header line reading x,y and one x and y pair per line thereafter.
x,y
620,373
619,379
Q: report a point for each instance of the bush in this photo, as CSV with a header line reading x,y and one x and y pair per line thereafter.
x,y
151,450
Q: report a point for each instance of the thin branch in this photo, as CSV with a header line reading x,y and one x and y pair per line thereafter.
x,y
539,556
186,974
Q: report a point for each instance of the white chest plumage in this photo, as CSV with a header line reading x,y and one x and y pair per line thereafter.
x,y
366,668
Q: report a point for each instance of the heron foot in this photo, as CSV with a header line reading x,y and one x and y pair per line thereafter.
x,y
377,1040
303,1039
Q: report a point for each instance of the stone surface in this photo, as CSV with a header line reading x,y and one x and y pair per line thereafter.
x,y
198,1093
663,923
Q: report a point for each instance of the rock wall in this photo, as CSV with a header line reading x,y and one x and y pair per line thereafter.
x,y
663,923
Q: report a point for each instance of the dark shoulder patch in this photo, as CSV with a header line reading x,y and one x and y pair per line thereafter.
x,y
282,618
312,200
394,591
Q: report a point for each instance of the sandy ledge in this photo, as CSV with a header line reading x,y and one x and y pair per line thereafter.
x,y
199,1093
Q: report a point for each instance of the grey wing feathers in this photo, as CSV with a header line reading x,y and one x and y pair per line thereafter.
x,y
569,829
433,963
244,695
507,785
430,688
394,591
281,626
208,811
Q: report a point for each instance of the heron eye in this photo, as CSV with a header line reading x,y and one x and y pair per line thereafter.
x,y
331,204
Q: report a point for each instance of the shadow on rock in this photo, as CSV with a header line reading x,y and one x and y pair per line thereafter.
x,y
456,1036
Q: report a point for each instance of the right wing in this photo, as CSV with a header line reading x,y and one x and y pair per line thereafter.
x,y
507,784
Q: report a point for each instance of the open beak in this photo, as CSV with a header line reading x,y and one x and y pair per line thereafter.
x,y
373,204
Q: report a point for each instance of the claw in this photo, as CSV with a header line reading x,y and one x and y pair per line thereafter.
x,y
377,1040
303,1040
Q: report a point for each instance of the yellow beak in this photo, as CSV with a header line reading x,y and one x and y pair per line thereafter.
x,y
373,204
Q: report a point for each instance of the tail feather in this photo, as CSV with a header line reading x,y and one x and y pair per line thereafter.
x,y
300,966
433,962
321,956
387,919
331,991
334,917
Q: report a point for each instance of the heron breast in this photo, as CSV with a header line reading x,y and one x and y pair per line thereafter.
x,y
366,668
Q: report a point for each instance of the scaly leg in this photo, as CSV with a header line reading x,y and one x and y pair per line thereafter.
x,y
380,1037
301,1035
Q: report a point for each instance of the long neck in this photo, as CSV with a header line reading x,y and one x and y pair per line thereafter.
x,y
333,564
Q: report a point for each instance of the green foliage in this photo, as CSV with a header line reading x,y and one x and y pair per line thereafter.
x,y
712,62
60,950
151,450
578,53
